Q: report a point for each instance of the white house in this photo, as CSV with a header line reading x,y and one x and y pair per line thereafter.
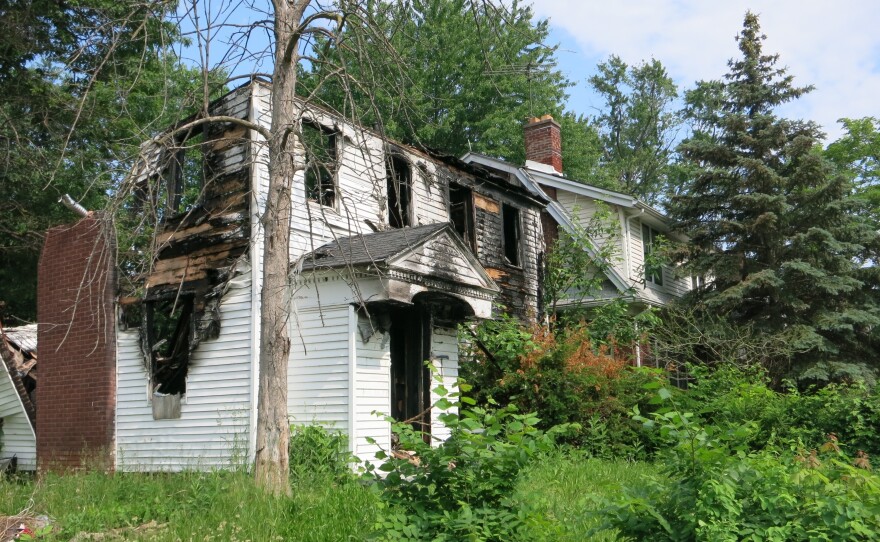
x,y
393,247
18,439
572,202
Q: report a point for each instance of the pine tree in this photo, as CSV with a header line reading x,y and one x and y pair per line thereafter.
x,y
773,228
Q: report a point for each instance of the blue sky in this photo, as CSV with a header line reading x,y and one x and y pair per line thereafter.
x,y
835,47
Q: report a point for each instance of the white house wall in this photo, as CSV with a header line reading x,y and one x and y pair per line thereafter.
x,y
213,428
18,438
444,355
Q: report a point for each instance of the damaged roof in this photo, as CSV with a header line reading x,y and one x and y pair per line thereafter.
x,y
23,337
368,248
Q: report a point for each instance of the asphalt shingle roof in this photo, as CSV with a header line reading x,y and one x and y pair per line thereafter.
x,y
368,248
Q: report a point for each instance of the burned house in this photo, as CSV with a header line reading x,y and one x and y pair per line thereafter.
x,y
392,248
18,353
572,202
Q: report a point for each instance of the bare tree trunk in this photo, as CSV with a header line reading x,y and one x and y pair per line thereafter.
x,y
273,430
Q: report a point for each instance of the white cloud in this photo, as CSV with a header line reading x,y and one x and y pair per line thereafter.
x,y
835,48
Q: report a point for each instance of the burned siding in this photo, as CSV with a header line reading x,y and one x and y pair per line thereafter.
x,y
199,186
518,279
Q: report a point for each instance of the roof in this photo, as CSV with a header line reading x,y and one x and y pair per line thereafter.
x,y
534,175
370,248
23,337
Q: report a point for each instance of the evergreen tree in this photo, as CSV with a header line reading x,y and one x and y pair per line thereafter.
x,y
773,228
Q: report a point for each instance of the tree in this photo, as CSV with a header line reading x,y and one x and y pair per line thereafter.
x,y
473,73
637,126
857,154
772,227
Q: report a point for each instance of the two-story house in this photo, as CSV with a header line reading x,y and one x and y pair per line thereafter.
x,y
571,202
392,248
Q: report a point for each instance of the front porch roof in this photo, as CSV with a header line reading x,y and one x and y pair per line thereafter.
x,y
410,261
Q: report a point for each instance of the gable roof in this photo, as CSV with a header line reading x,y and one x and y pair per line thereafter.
x,y
369,248
556,211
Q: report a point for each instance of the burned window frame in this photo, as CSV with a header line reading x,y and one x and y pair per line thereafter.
x,y
466,230
174,330
320,176
511,234
399,184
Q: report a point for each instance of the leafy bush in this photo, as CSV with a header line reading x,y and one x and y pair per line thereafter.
x,y
462,488
560,375
719,490
316,452
729,397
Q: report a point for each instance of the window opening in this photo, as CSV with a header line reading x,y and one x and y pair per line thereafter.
x,y
653,270
320,146
410,378
399,190
461,214
511,224
169,331
185,174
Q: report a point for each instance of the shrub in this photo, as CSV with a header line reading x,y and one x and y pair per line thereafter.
x,y
563,377
719,490
462,488
316,452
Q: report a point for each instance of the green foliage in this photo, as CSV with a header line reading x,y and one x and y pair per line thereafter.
x,y
462,488
576,265
567,485
318,453
637,127
494,72
772,226
719,490
562,377
192,506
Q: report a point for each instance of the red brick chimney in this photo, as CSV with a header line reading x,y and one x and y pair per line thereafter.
x,y
76,393
543,137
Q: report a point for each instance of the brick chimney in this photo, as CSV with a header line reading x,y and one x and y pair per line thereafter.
x,y
543,137
76,393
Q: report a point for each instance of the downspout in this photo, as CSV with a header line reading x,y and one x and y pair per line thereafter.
x,y
352,368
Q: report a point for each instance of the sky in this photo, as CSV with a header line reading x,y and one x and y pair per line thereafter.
x,y
832,46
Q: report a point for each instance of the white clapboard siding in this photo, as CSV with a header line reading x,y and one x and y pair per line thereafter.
x,y
318,372
18,438
372,395
444,354
213,429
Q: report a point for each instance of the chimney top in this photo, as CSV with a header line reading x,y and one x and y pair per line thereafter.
x,y
543,139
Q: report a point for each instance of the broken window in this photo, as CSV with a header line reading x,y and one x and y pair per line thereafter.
x,y
410,378
653,270
320,146
169,324
461,214
184,173
399,190
512,229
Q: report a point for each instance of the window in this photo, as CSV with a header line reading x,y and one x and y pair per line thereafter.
x,y
169,330
399,192
511,224
461,214
320,146
653,269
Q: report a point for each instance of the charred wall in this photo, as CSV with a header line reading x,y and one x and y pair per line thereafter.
x,y
204,232
518,280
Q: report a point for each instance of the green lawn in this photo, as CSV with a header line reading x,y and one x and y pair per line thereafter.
x,y
225,506
564,487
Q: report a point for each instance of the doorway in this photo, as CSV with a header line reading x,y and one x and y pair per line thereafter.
x,y
410,379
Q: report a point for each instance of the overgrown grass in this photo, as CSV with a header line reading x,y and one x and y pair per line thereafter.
x,y
566,487
222,506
